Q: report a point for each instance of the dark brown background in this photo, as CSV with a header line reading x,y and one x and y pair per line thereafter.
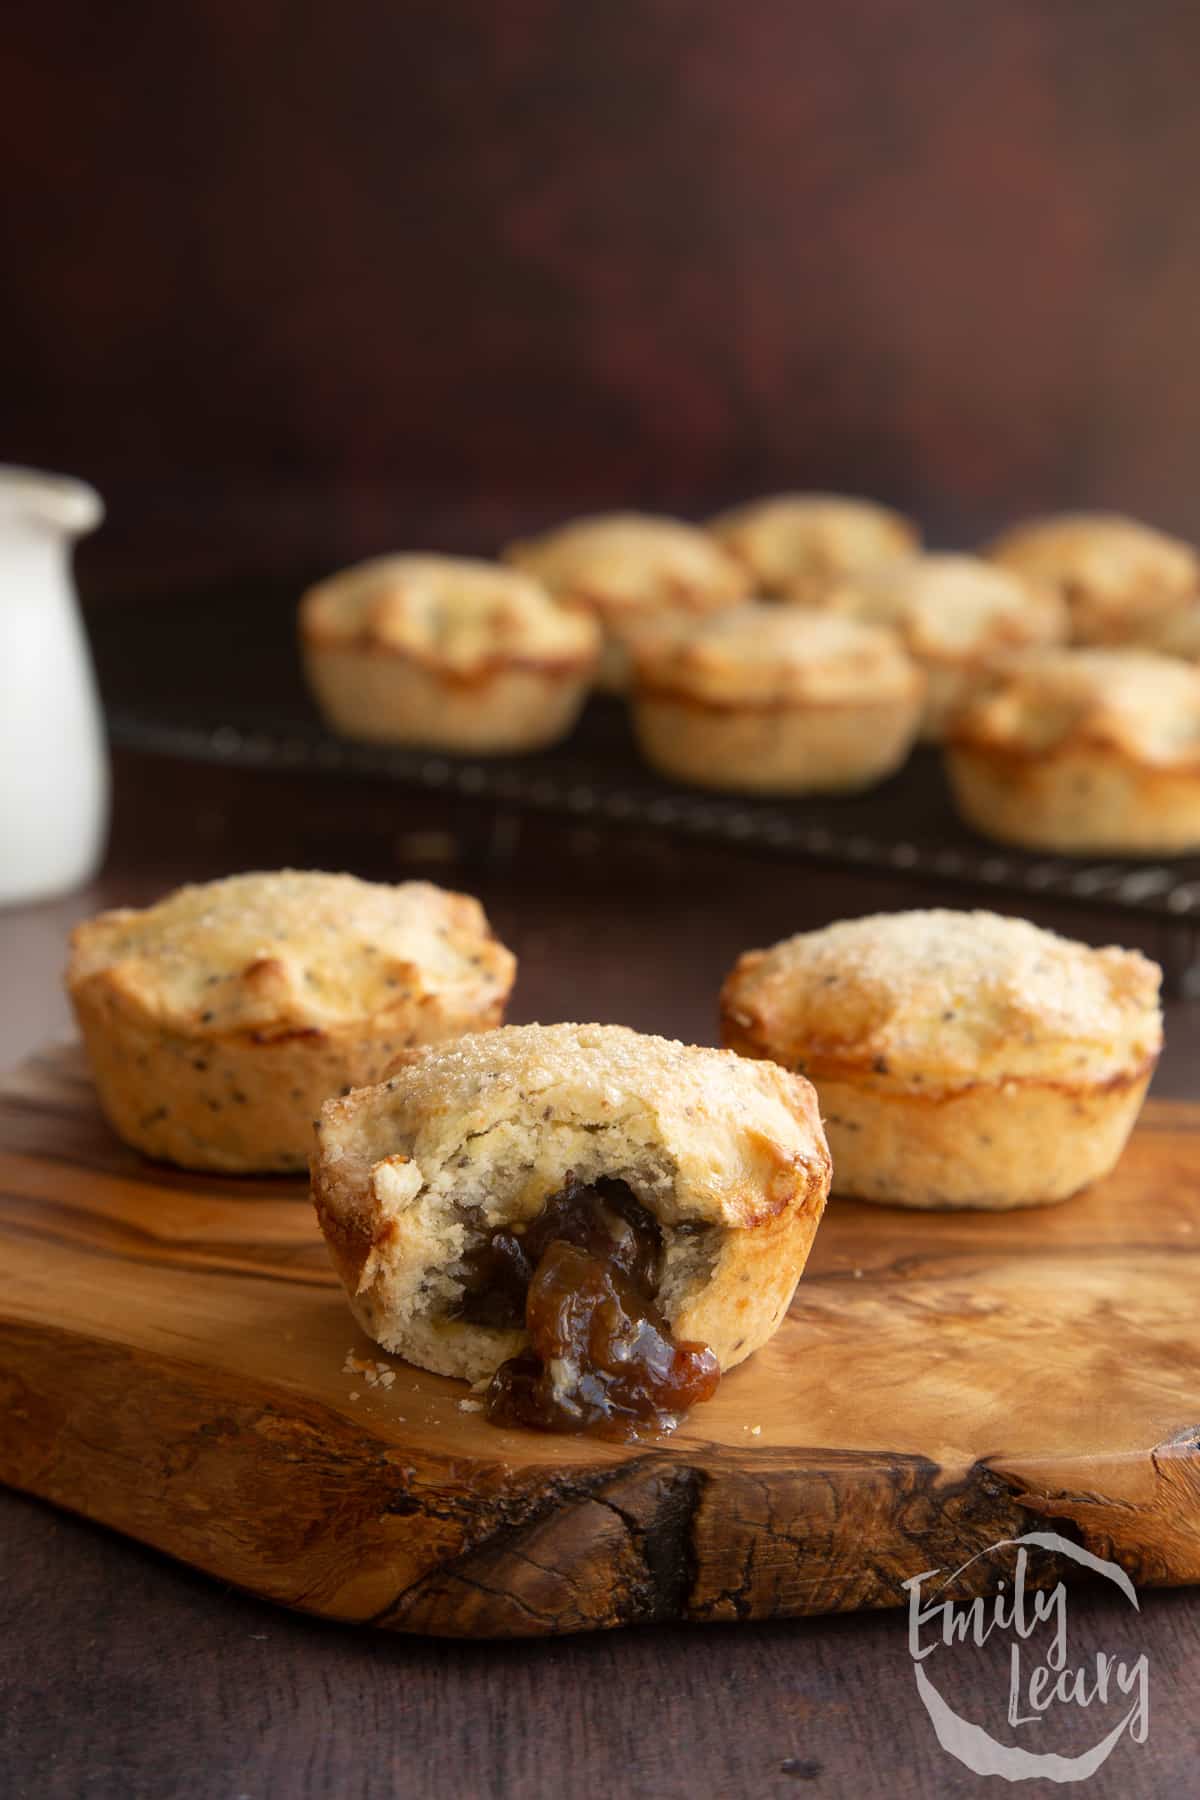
x,y
292,282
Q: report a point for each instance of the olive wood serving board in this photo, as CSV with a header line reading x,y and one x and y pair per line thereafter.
x,y
173,1363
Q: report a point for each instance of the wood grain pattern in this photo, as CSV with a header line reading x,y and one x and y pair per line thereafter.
x,y
172,1354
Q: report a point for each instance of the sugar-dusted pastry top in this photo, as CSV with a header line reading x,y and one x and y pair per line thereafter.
x,y
792,539
706,1135
291,951
1135,702
1108,568
452,612
630,562
942,999
772,655
949,608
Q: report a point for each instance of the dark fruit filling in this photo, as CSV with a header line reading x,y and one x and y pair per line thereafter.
x,y
582,1278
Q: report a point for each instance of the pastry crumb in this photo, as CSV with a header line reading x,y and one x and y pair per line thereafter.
x,y
470,1406
375,1374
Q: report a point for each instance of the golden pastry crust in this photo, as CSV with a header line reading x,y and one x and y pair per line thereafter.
x,y
624,568
445,652
1082,751
218,1021
948,999
774,700
1120,579
1180,634
728,1156
955,615
962,1059
794,545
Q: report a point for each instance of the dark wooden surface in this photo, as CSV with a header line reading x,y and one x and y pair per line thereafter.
x,y
123,1675
295,282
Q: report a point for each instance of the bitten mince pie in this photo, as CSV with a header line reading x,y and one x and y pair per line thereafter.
x,y
1121,580
592,1222
218,1021
794,545
961,1059
768,699
955,615
626,568
1082,751
445,652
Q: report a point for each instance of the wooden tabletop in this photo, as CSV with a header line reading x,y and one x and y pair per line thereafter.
x,y
123,1674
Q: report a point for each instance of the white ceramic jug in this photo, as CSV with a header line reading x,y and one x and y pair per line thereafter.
x,y
53,765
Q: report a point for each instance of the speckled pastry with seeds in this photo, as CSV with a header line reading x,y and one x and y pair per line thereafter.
x,y
961,1059
218,1021
727,1156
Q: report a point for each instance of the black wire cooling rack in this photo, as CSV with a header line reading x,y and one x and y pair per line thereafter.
x,y
216,678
